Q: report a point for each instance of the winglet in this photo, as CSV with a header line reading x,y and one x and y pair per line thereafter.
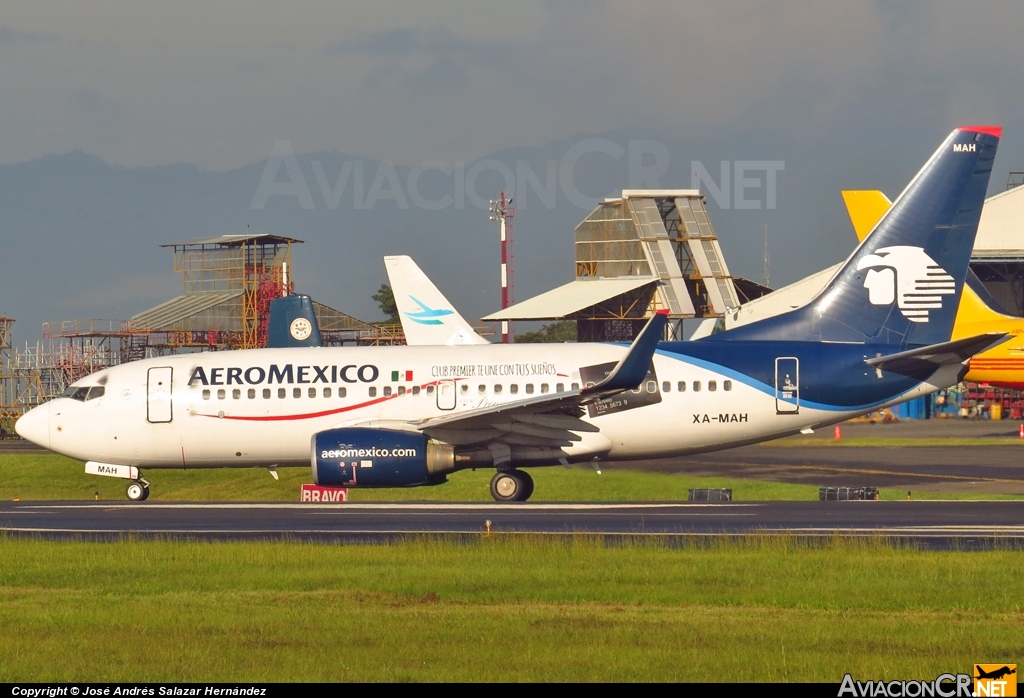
x,y
632,368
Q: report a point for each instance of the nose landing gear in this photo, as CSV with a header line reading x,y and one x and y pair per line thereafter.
x,y
511,486
137,490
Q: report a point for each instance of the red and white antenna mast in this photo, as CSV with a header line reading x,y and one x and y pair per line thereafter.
x,y
502,211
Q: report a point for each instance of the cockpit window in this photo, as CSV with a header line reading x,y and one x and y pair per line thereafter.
x,y
83,393
76,392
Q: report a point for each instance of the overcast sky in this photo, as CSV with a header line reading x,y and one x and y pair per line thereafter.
x,y
217,83
831,95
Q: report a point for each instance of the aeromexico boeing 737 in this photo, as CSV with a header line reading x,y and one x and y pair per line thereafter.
x,y
878,334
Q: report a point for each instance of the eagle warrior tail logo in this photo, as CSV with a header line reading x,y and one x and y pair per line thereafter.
x,y
908,276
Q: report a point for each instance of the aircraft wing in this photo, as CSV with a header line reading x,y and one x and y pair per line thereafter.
x,y
935,355
547,421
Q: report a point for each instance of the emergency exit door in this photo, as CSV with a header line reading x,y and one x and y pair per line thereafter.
x,y
787,385
158,395
446,395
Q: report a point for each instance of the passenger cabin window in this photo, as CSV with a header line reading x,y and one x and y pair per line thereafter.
x,y
514,388
681,386
312,392
430,390
543,388
252,393
373,391
415,390
559,387
236,394
266,393
282,393
387,391
497,388
481,389
529,388
464,388
666,386
575,386
696,386
712,386
652,387
296,392
327,392
206,394
221,394
727,385
401,390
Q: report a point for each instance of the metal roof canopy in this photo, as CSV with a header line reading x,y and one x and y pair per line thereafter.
x,y
177,309
571,298
656,194
237,240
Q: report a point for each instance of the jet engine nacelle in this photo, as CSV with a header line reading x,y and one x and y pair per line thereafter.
x,y
363,457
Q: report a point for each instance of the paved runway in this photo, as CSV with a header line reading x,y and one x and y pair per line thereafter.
x,y
964,467
932,523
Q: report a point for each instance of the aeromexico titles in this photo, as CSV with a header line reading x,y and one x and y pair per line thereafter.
x,y
878,334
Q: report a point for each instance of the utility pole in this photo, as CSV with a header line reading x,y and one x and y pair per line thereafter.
x,y
502,211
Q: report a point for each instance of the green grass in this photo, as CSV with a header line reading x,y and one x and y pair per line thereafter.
x,y
501,609
47,476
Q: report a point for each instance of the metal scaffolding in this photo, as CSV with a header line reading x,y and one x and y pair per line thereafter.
x,y
228,283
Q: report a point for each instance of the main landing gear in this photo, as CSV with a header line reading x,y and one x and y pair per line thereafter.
x,y
137,490
511,486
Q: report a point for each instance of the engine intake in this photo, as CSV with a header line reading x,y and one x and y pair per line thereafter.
x,y
363,457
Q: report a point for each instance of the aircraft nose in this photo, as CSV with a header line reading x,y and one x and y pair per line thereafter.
x,y
34,425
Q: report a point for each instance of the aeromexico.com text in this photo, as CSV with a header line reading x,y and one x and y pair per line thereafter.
x,y
369,453
256,375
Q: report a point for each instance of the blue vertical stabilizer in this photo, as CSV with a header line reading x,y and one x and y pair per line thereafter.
x,y
293,323
901,286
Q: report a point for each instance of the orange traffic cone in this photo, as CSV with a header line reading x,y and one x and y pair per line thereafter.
x,y
1020,434
837,433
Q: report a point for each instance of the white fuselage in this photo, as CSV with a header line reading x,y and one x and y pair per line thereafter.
x,y
261,407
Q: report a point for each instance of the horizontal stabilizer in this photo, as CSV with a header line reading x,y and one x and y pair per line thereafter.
x,y
945,354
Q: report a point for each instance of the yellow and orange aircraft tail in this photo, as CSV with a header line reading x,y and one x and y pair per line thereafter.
x,y
1003,365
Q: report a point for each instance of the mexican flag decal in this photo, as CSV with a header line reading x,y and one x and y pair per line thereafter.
x,y
401,376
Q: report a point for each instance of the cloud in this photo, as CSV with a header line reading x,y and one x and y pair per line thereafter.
x,y
10,36
419,58
255,69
